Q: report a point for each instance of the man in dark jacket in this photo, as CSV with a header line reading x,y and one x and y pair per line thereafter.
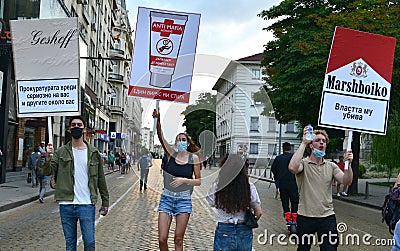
x,y
287,183
79,174
32,165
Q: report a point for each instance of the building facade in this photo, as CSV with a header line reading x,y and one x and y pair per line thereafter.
x,y
105,46
147,139
240,127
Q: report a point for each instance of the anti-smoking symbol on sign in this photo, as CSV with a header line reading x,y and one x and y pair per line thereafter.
x,y
164,46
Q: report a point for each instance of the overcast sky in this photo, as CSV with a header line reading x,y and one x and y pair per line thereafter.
x,y
229,30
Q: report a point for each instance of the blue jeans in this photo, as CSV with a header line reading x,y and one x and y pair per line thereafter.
x,y
70,214
231,237
34,178
43,184
396,244
144,174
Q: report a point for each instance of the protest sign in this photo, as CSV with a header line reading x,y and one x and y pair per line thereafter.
x,y
46,62
356,91
163,55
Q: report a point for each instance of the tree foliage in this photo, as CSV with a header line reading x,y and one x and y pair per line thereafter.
x,y
200,116
295,62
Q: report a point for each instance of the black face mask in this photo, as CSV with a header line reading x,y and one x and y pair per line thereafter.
x,y
76,132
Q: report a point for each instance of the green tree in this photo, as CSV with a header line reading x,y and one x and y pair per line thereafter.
x,y
385,149
295,62
200,116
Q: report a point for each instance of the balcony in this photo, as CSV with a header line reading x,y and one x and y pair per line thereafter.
x,y
117,53
116,110
116,78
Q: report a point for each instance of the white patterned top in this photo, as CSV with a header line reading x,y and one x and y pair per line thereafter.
x,y
223,216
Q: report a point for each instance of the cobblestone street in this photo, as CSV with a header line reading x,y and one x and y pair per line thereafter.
x,y
132,220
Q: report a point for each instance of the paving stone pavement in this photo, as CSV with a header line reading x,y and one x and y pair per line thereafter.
x,y
132,220
139,230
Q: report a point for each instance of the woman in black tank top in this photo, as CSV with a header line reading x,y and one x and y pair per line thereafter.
x,y
181,174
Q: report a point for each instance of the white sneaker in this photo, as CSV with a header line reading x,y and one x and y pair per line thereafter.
x,y
338,194
344,194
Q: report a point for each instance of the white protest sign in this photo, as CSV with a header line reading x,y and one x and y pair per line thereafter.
x,y
164,53
356,91
46,60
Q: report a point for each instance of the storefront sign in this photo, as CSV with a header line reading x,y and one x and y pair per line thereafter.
x,y
46,59
163,56
356,91
104,137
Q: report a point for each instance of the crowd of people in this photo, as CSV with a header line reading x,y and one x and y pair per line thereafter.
x,y
305,181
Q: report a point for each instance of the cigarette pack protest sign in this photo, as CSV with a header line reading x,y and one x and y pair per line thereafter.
x,y
163,55
46,62
356,91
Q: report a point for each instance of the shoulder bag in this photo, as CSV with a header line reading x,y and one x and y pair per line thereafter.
x,y
250,219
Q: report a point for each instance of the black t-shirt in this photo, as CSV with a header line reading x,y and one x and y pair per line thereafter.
x,y
174,169
280,168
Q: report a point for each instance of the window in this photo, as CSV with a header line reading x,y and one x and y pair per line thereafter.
x,y
83,32
26,9
253,148
113,97
92,49
96,87
271,149
90,80
254,124
256,73
290,126
93,15
271,125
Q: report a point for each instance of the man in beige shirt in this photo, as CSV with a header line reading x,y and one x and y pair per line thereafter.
x,y
314,177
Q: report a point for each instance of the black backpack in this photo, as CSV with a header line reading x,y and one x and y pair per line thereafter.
x,y
391,208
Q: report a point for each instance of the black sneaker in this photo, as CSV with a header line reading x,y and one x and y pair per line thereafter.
x,y
41,200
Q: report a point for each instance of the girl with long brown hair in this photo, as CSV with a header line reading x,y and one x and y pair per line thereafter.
x,y
232,194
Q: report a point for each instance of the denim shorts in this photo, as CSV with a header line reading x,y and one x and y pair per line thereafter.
x,y
230,236
174,203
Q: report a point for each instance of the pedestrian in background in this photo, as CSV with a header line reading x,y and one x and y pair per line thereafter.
x,y
42,181
205,162
111,158
105,157
144,164
118,161
176,200
164,162
79,174
128,163
210,162
232,194
122,159
33,160
133,157
287,184
315,176
341,166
